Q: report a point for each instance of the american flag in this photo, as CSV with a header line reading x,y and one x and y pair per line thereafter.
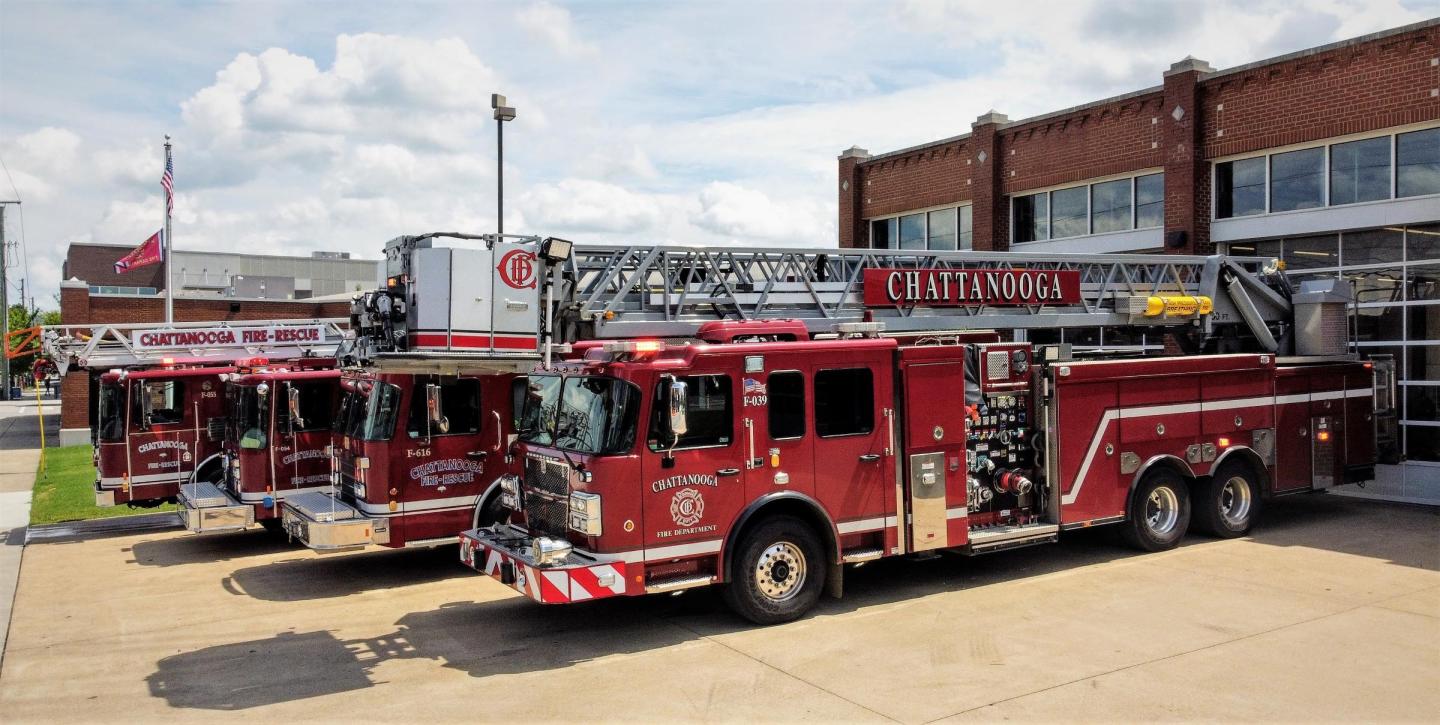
x,y
168,181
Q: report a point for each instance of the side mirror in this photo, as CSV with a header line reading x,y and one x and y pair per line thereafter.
x,y
147,407
433,409
676,405
292,401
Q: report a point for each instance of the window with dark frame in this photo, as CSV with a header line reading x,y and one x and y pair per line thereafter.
x,y
844,402
1360,171
1417,163
459,403
786,404
1240,188
1297,180
709,414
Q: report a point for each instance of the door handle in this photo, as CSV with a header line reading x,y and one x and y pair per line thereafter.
x,y
870,457
728,472
477,454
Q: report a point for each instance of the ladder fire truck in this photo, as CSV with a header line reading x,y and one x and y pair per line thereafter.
x,y
159,417
759,418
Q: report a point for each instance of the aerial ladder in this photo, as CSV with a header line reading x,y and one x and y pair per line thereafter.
x,y
456,300
108,346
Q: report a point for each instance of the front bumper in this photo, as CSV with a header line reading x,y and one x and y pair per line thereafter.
x,y
324,523
504,553
205,509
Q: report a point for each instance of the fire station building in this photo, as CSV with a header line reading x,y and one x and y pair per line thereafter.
x,y
1328,158
207,286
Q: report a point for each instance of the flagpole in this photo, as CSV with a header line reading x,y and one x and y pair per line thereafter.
x,y
165,247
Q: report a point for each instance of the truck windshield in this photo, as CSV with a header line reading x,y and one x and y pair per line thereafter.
x,y
381,412
111,419
249,418
585,414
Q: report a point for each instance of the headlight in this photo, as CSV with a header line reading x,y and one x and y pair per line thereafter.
x,y
548,550
585,513
510,492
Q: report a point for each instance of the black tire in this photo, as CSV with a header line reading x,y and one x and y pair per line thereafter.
x,y
1159,512
274,526
1226,503
787,551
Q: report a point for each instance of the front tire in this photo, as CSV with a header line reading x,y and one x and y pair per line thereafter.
x,y
1159,512
1225,506
490,513
777,573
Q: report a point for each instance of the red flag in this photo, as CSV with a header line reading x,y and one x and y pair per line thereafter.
x,y
151,251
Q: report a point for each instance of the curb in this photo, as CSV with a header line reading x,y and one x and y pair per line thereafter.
x,y
99,528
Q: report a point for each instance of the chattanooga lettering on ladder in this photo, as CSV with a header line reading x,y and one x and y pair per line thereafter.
x,y
971,287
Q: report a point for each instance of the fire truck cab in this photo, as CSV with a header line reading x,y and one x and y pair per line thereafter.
x,y
418,461
276,445
155,429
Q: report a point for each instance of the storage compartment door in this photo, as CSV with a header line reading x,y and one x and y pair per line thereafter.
x,y
516,315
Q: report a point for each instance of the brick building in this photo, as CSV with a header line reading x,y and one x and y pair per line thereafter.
x,y
1328,158
102,296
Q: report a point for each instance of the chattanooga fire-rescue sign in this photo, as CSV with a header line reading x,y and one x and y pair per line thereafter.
x,y
228,337
971,287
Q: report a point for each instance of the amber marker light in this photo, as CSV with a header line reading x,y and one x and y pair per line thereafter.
x,y
1223,442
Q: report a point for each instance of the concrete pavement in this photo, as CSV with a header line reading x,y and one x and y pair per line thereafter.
x,y
1331,610
19,457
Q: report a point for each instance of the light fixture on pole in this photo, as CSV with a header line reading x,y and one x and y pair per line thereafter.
x,y
503,113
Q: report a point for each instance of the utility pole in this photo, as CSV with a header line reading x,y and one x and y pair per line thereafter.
x,y
5,305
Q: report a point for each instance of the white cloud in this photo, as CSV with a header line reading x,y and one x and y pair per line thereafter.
x,y
553,24
590,206
742,213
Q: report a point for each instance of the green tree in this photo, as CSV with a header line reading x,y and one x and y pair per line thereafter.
x,y
21,318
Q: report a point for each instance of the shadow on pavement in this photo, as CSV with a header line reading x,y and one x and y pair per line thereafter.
x,y
206,548
514,635
344,574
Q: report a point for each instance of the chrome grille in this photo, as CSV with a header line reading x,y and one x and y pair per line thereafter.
x,y
546,489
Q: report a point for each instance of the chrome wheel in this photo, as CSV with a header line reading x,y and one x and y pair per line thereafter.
x,y
780,572
1235,501
1162,511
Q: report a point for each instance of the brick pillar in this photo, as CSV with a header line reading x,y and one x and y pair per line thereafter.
x,y
74,302
852,233
988,208
75,385
1187,208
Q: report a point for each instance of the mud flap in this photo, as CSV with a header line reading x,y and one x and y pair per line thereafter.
x,y
835,580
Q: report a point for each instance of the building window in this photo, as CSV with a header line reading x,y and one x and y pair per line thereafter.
x,y
884,233
1297,180
1417,163
940,230
1111,207
1240,188
1360,171
1069,212
1150,201
1032,217
912,231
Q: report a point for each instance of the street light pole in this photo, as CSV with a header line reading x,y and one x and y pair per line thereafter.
x,y
502,114
5,305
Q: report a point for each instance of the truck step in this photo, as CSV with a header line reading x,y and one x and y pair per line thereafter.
x,y
678,583
854,556
1006,537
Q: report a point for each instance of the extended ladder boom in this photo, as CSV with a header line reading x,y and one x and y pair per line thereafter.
x,y
104,346
505,298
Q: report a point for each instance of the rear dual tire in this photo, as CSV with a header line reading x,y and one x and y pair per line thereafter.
x,y
1159,512
1226,503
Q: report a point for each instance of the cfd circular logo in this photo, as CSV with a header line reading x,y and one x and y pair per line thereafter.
x,y
687,507
517,269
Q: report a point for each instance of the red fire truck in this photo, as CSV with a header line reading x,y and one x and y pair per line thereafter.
x,y
759,418
159,414
277,436
419,462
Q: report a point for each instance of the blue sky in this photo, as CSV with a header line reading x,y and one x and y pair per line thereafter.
x,y
337,125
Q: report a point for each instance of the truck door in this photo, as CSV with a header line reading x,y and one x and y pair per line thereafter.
x,y
301,461
449,442
515,314
162,438
935,451
853,466
694,482
774,400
